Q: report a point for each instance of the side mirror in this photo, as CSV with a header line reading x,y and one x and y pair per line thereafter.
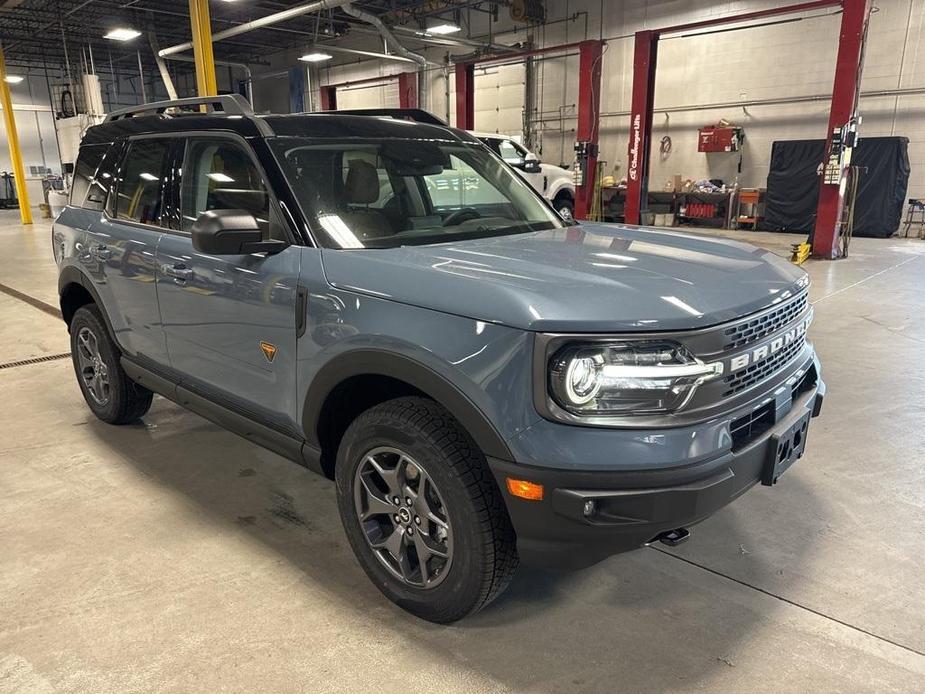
x,y
532,166
231,232
516,162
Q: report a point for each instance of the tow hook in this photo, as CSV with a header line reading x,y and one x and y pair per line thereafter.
x,y
672,538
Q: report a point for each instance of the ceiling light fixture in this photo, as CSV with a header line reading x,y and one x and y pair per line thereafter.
x,y
315,57
122,34
14,79
443,29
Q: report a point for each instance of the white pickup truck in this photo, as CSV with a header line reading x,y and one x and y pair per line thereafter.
x,y
552,182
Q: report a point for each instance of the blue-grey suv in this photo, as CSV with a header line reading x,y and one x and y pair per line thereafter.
x,y
380,298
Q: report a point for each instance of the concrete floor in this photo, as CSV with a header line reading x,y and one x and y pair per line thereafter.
x,y
173,556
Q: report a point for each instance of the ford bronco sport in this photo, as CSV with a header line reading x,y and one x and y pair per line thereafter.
x,y
382,299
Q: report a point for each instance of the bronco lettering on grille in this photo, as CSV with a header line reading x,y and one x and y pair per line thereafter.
x,y
740,361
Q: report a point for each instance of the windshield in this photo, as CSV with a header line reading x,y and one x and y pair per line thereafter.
x,y
382,194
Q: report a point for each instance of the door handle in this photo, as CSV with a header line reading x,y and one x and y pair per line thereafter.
x,y
102,252
179,272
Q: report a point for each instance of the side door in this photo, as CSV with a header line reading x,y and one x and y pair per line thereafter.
x,y
122,242
230,320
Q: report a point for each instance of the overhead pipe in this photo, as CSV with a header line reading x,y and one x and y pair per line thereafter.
x,y
357,51
397,48
424,37
261,22
248,78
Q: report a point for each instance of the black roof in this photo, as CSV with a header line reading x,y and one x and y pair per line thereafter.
x,y
326,125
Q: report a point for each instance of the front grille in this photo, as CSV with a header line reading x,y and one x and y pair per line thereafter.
x,y
806,382
748,427
740,380
745,333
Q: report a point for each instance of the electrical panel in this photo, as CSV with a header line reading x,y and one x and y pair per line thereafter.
x,y
720,139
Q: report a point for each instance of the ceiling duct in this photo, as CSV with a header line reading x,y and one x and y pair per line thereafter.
x,y
260,23
397,48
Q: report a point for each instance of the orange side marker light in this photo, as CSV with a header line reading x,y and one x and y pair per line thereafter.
x,y
525,490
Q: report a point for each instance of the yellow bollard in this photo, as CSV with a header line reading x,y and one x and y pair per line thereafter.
x,y
201,24
19,172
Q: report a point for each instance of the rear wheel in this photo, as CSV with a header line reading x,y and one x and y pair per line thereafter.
x,y
422,511
109,392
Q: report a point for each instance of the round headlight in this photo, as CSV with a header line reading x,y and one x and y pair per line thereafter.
x,y
575,376
582,379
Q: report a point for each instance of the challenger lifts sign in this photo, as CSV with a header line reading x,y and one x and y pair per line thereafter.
x,y
635,139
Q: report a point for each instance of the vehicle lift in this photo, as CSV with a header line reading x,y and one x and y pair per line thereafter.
x,y
589,108
843,116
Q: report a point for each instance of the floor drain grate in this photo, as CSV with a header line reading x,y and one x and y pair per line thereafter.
x,y
36,360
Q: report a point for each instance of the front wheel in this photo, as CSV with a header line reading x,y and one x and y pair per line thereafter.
x,y
564,206
422,511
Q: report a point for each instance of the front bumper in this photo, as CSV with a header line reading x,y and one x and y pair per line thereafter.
x,y
632,507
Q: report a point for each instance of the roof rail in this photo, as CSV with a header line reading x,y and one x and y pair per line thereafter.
x,y
418,115
229,104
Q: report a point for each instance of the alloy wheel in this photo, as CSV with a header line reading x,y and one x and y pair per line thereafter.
x,y
403,517
93,371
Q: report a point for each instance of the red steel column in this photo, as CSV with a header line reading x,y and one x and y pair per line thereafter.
x,y
408,90
645,56
465,96
329,98
589,118
848,65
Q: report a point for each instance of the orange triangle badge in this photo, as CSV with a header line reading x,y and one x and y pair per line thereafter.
x,y
269,351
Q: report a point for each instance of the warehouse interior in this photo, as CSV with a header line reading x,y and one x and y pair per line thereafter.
x,y
172,555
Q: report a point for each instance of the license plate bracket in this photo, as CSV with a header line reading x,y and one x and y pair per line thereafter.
x,y
784,449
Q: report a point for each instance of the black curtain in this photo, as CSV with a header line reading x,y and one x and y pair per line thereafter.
x,y
793,185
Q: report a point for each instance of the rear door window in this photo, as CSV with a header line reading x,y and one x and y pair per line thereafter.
x,y
140,191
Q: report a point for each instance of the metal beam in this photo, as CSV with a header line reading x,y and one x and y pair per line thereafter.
x,y
645,53
845,92
297,89
260,23
589,108
329,98
408,90
9,119
369,54
201,23
465,96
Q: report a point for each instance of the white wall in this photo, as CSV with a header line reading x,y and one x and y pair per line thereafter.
x,y
782,60
36,130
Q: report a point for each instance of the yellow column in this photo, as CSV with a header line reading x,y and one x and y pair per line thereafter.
x,y
19,172
201,24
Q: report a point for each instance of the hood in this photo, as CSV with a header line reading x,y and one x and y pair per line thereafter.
x,y
587,278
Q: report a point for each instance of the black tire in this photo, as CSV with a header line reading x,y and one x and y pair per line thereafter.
x,y
484,555
563,203
125,401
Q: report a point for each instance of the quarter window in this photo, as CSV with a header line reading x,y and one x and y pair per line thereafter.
x,y
220,175
88,161
141,182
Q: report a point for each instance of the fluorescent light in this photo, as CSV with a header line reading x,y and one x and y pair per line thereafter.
x,y
122,35
219,177
315,57
14,79
443,29
148,176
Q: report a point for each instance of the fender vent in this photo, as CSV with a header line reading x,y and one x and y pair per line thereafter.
x,y
36,360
